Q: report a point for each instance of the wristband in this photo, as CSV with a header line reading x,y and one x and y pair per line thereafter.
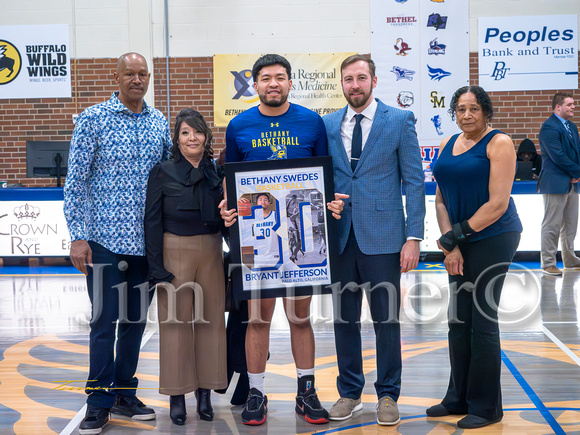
x,y
462,231
448,241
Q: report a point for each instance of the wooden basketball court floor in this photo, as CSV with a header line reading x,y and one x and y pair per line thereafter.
x,y
43,360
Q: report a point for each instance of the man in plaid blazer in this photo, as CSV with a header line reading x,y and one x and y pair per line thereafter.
x,y
376,241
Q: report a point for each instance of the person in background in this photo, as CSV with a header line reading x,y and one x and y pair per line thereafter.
x,y
527,153
184,249
480,230
114,146
558,184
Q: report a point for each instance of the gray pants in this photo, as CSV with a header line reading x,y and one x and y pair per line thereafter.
x,y
560,221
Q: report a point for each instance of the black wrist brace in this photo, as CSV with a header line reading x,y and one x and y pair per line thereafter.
x,y
460,233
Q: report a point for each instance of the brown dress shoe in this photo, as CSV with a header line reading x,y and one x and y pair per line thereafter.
x,y
552,270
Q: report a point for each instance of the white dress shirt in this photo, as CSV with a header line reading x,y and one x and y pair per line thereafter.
x,y
348,122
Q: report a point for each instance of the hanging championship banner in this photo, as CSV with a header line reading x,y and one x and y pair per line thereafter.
x,y
528,53
315,83
421,50
35,61
280,241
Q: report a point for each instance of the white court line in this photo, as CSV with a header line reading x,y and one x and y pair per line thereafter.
x,y
561,345
73,424
560,323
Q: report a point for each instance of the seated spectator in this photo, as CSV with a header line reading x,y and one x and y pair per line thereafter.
x,y
527,153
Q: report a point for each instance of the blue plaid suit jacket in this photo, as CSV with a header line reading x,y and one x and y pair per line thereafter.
x,y
390,159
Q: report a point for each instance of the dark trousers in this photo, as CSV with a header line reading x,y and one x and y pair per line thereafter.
x,y
474,343
119,308
381,279
236,338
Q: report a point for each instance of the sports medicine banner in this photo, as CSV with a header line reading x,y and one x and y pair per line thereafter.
x,y
528,53
35,61
315,83
421,49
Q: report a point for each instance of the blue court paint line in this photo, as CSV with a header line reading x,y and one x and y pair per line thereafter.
x,y
532,395
557,430
563,409
40,270
549,408
354,426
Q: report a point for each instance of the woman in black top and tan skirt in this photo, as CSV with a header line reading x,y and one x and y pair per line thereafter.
x,y
184,250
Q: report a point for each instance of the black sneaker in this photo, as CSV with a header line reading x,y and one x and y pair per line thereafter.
x,y
132,407
255,409
309,407
94,421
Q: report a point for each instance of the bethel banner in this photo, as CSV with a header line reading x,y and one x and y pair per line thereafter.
x,y
315,83
421,49
35,61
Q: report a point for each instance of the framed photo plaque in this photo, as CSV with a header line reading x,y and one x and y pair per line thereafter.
x,y
280,243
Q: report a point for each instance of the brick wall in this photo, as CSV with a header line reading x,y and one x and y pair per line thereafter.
x,y
519,114
191,85
49,118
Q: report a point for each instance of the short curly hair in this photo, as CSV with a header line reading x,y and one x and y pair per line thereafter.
x,y
195,120
481,96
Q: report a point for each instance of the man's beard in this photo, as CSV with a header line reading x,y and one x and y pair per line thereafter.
x,y
273,103
358,101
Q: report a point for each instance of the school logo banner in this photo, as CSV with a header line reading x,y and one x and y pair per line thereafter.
x,y
421,49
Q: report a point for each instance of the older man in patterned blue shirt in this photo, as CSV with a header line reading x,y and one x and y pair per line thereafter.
x,y
114,146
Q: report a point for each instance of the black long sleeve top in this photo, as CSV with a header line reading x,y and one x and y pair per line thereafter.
x,y
182,200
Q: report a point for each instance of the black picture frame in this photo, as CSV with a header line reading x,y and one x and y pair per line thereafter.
x,y
283,270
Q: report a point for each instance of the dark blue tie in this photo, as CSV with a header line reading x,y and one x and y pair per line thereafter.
x,y
356,147
567,123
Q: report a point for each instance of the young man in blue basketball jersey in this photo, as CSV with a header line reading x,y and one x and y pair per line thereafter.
x,y
277,129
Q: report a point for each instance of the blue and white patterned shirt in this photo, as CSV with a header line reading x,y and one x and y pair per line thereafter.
x,y
111,153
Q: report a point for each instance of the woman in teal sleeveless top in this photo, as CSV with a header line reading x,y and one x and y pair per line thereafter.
x,y
480,231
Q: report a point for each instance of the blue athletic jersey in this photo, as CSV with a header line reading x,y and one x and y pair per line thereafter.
x,y
298,133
